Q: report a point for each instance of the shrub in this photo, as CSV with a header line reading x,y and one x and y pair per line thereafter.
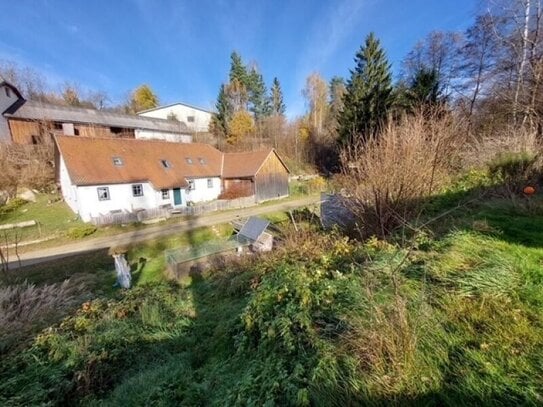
x,y
12,205
388,177
79,232
515,170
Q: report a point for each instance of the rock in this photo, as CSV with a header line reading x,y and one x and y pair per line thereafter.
x,y
27,195
4,196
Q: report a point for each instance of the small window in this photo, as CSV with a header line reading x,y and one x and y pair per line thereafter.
x,y
116,130
165,194
190,119
76,131
189,160
192,186
201,160
137,190
57,126
117,161
103,194
8,92
165,163
209,183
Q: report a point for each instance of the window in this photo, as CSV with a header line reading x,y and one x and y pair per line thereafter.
x,y
165,163
76,131
191,185
137,190
209,183
8,92
103,193
117,161
201,160
165,194
189,160
190,119
57,126
115,130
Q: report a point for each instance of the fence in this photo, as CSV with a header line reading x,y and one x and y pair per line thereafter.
x,y
153,213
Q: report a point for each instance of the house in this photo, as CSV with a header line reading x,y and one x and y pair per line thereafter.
x,y
98,176
32,122
196,118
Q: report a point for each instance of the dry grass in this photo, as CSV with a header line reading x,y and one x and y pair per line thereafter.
x,y
387,176
26,308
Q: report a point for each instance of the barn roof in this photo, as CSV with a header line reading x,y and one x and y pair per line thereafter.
x,y
98,161
246,164
34,110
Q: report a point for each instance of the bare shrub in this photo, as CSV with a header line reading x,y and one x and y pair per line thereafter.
x,y
387,176
25,166
27,308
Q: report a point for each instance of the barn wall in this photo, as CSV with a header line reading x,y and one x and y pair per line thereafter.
x,y
271,181
238,187
23,130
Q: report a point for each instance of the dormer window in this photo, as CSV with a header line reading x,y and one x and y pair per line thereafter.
x,y
189,160
166,164
117,161
201,160
8,92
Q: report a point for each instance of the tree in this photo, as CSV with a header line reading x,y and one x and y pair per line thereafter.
x,y
240,126
424,90
219,121
337,90
142,98
259,103
70,95
316,95
369,93
276,99
238,71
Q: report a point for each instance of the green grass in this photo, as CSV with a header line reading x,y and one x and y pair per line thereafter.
x,y
454,320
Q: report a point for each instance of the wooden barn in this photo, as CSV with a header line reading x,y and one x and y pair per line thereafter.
x,y
262,173
32,122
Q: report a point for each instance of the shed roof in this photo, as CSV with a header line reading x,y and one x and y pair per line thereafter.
x,y
33,110
89,161
246,164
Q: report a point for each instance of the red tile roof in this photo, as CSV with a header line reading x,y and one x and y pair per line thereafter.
x,y
89,161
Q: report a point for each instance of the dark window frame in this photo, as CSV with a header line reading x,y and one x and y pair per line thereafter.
x,y
165,193
104,196
134,190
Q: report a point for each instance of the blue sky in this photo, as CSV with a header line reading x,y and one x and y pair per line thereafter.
x,y
182,48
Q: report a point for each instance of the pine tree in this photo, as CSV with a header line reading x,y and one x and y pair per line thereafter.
x,y
220,120
369,93
237,69
276,99
259,103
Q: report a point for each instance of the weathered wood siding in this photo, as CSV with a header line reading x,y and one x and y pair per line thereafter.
x,y
38,132
271,181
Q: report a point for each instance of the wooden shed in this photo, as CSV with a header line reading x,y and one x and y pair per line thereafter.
x,y
260,173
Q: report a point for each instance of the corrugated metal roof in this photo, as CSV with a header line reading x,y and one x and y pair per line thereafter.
x,y
33,110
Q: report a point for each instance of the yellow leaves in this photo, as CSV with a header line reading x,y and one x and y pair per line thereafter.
x,y
241,125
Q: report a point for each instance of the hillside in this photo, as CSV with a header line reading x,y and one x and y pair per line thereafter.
x,y
451,316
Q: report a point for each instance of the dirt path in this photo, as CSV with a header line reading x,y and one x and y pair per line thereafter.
x,y
149,233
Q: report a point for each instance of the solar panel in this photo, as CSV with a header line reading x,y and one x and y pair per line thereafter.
x,y
253,228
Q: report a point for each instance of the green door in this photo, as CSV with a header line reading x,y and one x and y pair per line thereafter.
x,y
177,196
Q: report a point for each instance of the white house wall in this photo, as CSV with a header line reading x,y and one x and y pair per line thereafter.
x,y
69,191
202,192
120,198
183,112
159,135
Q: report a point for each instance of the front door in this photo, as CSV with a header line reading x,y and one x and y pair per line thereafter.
x,y
177,196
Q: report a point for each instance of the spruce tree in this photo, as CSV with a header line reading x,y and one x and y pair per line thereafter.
x,y
259,103
237,69
224,113
276,99
369,94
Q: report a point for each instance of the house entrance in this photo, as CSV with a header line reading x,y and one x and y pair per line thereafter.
x,y
177,196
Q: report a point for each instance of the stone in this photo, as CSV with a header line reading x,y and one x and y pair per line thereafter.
x,y
27,195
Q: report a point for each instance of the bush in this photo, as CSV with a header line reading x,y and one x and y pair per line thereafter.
x,y
388,177
79,232
515,170
12,205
